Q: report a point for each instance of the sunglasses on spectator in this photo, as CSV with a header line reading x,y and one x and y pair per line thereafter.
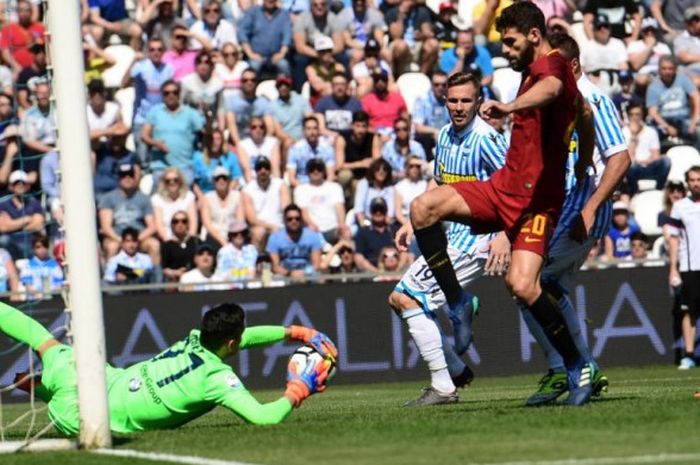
x,y
127,174
401,129
260,168
414,165
289,219
155,49
220,177
180,37
205,62
171,92
206,252
172,180
248,80
390,255
378,211
19,182
179,221
230,54
440,84
316,169
212,10
257,126
237,233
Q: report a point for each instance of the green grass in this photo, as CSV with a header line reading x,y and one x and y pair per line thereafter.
x,y
647,411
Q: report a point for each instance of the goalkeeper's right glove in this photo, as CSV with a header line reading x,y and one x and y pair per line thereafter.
x,y
310,380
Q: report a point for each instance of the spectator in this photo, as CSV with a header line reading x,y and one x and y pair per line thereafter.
x,y
383,106
322,203
220,208
9,148
340,259
127,207
604,55
214,27
9,12
107,160
362,23
361,71
129,266
616,13
240,108
38,130
236,260
158,19
32,73
399,148
464,54
104,117
288,112
445,29
178,252
412,37
687,44
355,151
147,76
645,150
307,148
389,262
430,113
484,17
179,55
18,37
295,250
172,196
265,33
49,169
335,111
563,9
259,144
644,54
230,69
378,183
640,246
264,199
409,188
96,59
215,154
202,275
320,71
618,240
673,192
9,280
170,131
371,239
627,94
42,274
670,14
20,216
202,90
111,17
669,99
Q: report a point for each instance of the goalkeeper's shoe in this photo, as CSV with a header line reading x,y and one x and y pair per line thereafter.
x,y
600,384
581,378
431,396
461,315
463,379
551,386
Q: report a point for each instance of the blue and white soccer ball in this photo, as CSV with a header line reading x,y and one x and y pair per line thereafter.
x,y
307,355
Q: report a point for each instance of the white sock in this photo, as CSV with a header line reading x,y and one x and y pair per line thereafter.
x,y
426,335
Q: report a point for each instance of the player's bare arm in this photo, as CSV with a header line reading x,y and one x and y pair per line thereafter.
x,y
541,94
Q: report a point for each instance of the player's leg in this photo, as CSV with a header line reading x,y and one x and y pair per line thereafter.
x,y
689,306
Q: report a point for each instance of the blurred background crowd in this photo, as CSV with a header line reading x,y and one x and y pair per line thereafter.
x,y
234,141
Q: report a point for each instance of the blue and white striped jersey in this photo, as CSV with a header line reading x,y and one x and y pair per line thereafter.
x,y
472,154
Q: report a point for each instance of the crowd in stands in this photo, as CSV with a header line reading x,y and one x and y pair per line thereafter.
x,y
237,139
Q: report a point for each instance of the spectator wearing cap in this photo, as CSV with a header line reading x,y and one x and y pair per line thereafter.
x,y
410,187
334,111
687,44
430,113
669,99
618,241
35,71
288,112
644,53
177,253
20,217
362,71
109,17
322,203
127,207
202,275
170,131
295,250
377,183
320,71
412,37
107,160
361,23
371,239
202,90
383,105
400,147
340,259
230,69
129,266
258,143
264,200
158,19
626,94
18,37
180,55
355,151
235,261
147,76
241,107
604,55
465,53
445,29
104,117
616,13
213,26
645,151
219,208
639,247
171,196
670,15
311,146
265,34
214,156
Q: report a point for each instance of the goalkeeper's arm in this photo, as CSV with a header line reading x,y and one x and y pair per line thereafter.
x,y
257,336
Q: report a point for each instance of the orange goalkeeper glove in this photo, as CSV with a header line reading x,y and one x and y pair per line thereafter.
x,y
315,339
310,380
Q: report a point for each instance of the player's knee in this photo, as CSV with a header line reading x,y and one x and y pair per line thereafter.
x,y
424,211
523,288
395,302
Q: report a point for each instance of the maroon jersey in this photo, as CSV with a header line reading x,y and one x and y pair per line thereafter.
x,y
535,166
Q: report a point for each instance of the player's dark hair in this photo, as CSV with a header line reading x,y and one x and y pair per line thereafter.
x,y
522,16
360,117
130,233
566,44
692,169
222,323
460,79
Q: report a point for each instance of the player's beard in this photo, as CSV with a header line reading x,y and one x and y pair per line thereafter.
x,y
525,58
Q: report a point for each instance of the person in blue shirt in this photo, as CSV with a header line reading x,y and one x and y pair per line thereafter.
x,y
295,250
214,154
307,148
430,113
42,274
111,17
20,216
240,108
400,147
459,58
289,111
618,242
265,34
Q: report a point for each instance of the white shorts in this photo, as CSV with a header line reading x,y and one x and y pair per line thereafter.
x,y
419,284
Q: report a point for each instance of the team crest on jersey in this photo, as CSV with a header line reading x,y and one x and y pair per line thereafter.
x,y
134,384
233,381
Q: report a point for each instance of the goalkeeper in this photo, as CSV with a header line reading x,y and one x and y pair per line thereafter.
x,y
181,383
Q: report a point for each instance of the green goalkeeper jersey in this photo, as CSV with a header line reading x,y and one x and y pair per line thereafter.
x,y
186,381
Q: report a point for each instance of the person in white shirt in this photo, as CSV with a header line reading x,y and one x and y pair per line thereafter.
x,y
104,117
236,261
409,187
644,53
202,90
645,150
230,69
202,275
172,195
214,27
603,55
264,200
129,266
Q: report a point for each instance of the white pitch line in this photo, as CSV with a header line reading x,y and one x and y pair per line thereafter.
x,y
155,456
639,459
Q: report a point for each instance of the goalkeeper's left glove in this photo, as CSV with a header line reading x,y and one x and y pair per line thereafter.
x,y
315,339
310,380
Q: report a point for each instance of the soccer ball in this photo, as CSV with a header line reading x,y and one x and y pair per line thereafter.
x,y
307,355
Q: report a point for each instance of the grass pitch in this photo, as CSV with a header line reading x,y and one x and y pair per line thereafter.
x,y
647,413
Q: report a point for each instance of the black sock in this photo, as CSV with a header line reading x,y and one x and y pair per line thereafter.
x,y
548,314
432,242
690,354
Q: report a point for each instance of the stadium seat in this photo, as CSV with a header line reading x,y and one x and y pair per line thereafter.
x,y
411,86
682,157
657,248
505,84
646,207
125,98
267,89
124,56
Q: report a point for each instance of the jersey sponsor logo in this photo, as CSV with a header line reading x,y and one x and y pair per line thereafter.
x,y
451,178
233,381
134,384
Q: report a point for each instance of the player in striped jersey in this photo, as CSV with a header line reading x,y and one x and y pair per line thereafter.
x,y
468,149
586,202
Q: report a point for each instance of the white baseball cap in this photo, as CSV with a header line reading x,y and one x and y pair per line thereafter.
x,y
18,176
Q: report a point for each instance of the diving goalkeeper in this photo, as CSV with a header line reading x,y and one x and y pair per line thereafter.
x,y
181,383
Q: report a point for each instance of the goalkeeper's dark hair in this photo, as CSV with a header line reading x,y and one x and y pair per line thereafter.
x,y
222,323
566,45
522,16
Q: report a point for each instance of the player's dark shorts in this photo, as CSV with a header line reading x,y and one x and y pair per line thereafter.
x,y
527,226
690,293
